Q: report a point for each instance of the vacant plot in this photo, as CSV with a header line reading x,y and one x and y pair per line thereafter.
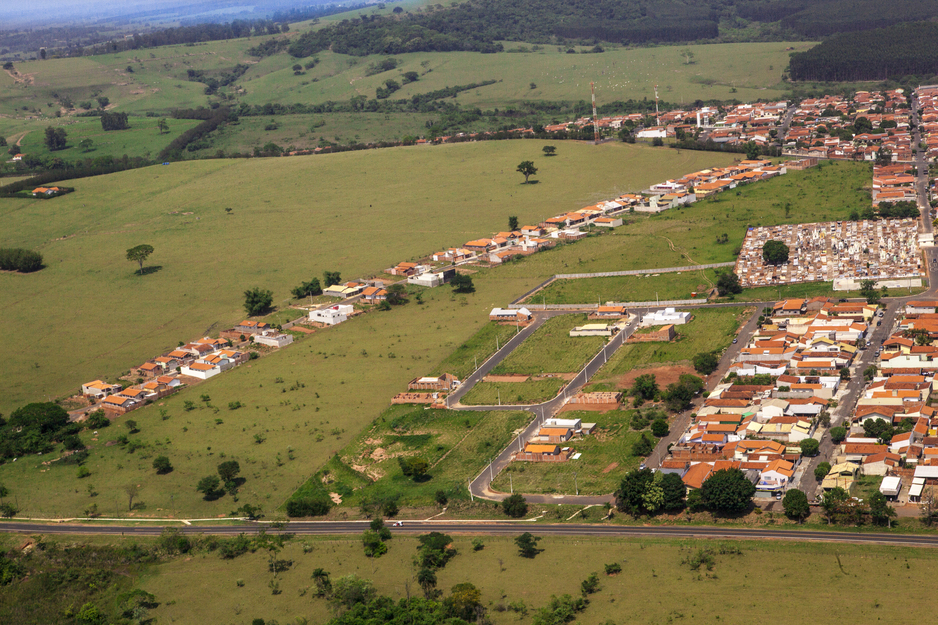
x,y
287,225
640,288
606,457
551,349
531,391
711,329
455,444
725,594
467,357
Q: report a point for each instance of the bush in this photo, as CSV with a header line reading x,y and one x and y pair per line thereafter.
x,y
308,507
613,569
17,259
97,420
515,506
659,427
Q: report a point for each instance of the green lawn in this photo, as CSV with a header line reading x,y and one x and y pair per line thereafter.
x,y
640,288
607,456
467,357
527,392
711,329
551,349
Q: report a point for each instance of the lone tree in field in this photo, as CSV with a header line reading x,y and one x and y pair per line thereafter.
x,y
462,284
162,126
139,255
512,223
775,253
257,301
527,169
56,138
549,150
527,545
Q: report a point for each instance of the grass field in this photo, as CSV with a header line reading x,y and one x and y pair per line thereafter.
x,y
607,456
289,221
551,349
467,357
640,288
711,329
203,588
527,392
456,444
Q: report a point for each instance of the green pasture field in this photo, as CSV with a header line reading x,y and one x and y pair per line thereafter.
x,y
711,329
291,219
753,69
527,392
607,456
143,138
639,288
551,349
467,356
457,445
203,587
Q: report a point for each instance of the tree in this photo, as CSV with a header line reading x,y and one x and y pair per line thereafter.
x,y
706,363
427,580
257,301
880,510
868,291
322,581
103,101
397,294
727,491
512,223
139,255
796,505
869,373
775,253
208,486
659,428
630,496
162,126
464,602
883,156
752,150
728,283
462,283
350,590
549,150
56,138
645,386
821,470
114,121
131,425
679,395
838,434
229,470
527,545
674,491
132,490
162,465
527,169
86,144
307,289
810,447
832,501
515,506
330,278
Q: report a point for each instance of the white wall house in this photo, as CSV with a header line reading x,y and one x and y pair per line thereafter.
x,y
332,315
665,317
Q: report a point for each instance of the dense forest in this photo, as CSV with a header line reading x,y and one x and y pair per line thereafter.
x,y
896,51
819,18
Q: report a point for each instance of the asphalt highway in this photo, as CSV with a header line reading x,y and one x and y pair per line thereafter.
x,y
492,528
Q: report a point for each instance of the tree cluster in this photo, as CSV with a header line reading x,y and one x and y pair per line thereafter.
x,y
56,138
306,289
114,121
18,259
35,428
645,492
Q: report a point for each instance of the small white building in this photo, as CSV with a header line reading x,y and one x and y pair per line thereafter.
x,y
332,315
668,316
201,370
428,279
273,338
891,486
594,329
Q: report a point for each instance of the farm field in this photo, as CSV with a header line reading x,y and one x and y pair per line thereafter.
x,y
457,445
531,391
551,349
142,138
202,587
607,456
289,221
711,329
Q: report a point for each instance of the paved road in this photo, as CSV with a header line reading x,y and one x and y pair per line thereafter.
x,y
493,528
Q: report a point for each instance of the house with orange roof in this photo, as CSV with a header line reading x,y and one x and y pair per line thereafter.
x,y
374,295
97,389
776,475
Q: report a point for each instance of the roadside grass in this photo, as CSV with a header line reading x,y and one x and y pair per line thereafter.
x,y
287,223
606,457
203,587
551,349
527,392
639,288
467,357
711,329
456,444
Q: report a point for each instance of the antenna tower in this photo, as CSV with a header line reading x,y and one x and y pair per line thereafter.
x,y
595,118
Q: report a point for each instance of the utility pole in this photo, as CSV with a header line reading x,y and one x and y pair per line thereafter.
x,y
575,486
595,118
471,498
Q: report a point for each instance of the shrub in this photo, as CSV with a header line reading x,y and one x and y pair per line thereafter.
x,y
515,506
613,569
17,259
308,506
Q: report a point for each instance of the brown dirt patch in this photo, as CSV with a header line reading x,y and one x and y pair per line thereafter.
x,y
336,498
663,375
510,377
562,376
303,329
610,467
589,407
379,454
